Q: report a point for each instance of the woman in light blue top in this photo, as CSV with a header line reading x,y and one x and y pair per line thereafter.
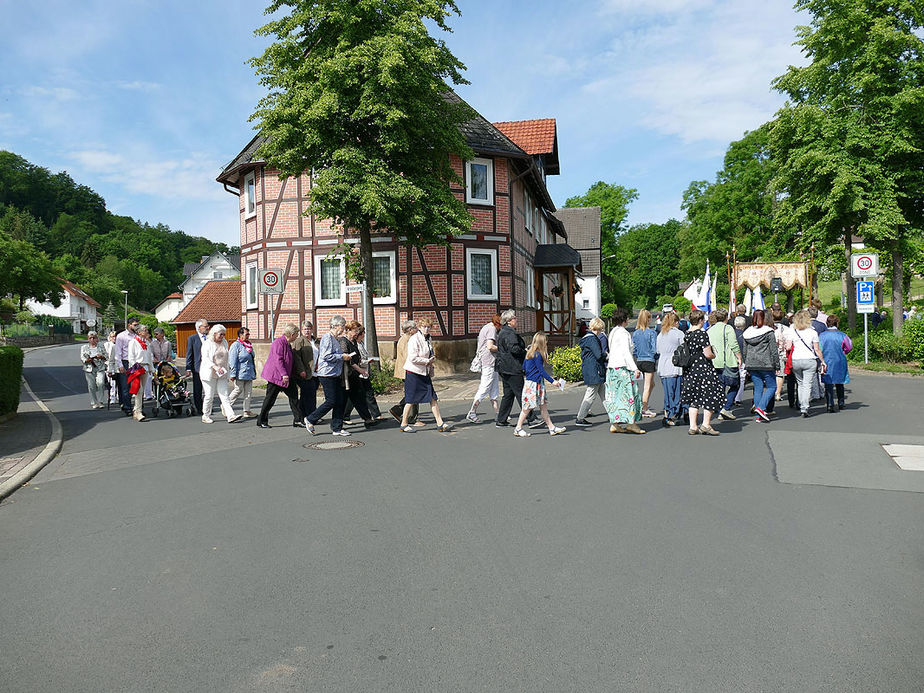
x,y
644,344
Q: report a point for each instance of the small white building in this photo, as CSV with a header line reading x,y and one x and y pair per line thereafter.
x,y
76,306
169,308
583,227
214,266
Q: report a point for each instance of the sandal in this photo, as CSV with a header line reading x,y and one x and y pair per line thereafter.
x,y
708,430
409,429
693,432
444,427
520,433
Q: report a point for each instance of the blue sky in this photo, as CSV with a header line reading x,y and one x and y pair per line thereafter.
x,y
146,101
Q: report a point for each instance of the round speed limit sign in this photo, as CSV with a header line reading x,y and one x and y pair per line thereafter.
x,y
270,282
864,265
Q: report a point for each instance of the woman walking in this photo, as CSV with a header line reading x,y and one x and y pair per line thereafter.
x,y
701,388
277,372
213,372
593,369
112,368
807,358
622,401
669,339
140,369
359,389
242,370
835,345
537,357
418,379
489,387
93,357
644,343
762,360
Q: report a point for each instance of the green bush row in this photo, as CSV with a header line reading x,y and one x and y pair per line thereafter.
x,y
566,363
886,346
10,378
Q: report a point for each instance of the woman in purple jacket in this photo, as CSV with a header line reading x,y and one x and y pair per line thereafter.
x,y
277,372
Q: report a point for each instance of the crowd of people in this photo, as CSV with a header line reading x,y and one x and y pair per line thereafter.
x,y
702,363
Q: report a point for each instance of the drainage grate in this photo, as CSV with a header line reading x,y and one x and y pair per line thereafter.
x,y
334,445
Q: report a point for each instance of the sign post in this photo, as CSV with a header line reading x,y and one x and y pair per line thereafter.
x,y
866,304
271,283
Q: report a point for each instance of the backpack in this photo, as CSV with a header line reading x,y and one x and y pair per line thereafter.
x,y
682,357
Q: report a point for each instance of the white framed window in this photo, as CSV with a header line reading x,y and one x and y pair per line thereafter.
x,y
531,287
383,283
250,194
217,275
527,210
252,286
481,274
329,281
586,304
479,182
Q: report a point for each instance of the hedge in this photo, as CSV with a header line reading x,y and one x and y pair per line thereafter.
x,y
10,378
566,363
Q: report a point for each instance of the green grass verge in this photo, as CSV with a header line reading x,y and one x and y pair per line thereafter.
x,y
888,367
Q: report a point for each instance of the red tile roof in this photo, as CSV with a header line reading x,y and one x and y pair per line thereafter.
x,y
218,301
532,136
74,291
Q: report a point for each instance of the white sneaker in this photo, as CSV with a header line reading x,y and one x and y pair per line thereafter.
x,y
557,430
207,419
342,433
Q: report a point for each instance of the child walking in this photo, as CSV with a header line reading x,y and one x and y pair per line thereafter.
x,y
534,387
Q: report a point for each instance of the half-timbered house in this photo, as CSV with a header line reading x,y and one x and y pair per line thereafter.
x,y
460,286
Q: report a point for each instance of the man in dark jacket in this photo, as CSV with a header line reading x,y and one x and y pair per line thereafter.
x,y
194,359
511,352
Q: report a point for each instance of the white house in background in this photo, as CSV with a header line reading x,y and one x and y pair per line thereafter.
x,y
76,306
583,227
214,266
169,308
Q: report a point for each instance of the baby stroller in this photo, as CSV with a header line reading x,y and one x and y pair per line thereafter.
x,y
170,393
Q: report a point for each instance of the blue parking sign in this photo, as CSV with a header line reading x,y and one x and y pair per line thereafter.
x,y
866,292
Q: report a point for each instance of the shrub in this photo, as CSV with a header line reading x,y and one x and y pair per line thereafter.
x,y
888,347
913,333
10,378
606,312
24,317
383,379
682,305
566,363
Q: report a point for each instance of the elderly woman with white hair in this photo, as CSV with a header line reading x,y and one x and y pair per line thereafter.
x,y
277,372
213,372
330,372
93,356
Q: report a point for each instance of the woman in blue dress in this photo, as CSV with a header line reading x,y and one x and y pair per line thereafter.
x,y
835,345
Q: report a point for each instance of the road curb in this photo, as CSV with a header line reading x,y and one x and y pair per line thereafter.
x,y
44,457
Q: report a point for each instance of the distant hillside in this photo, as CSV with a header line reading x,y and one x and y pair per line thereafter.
x,y
100,252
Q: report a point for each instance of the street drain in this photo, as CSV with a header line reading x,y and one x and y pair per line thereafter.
x,y
334,445
301,460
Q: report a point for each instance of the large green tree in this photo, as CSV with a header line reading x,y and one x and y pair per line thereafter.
x,y
613,201
26,272
358,95
646,254
849,144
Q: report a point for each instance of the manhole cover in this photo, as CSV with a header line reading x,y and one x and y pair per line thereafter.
x,y
301,459
334,445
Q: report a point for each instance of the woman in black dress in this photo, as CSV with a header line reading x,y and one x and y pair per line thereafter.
x,y
356,396
701,387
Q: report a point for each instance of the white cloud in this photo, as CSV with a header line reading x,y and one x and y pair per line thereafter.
x,y
53,93
190,177
138,85
652,7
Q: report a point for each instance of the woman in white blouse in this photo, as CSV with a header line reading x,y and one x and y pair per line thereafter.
x,y
213,371
807,359
140,368
93,356
622,401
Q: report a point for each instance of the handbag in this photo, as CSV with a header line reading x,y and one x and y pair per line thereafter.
x,y
475,366
787,368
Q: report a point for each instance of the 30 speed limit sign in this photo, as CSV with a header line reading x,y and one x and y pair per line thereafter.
x,y
864,265
271,282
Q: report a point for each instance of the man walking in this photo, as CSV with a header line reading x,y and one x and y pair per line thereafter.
x,y
509,357
121,346
194,359
330,372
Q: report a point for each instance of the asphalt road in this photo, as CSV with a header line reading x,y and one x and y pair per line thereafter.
x,y
174,556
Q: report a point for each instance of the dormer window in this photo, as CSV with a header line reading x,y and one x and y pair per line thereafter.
x,y
479,182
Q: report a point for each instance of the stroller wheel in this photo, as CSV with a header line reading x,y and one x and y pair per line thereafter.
x,y
155,410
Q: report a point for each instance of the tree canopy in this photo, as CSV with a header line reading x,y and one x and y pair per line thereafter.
x,y
359,95
100,252
849,144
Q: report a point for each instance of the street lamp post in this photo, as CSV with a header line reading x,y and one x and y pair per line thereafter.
x,y
125,293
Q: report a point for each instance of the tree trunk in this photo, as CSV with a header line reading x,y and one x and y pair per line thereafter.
x,y
851,283
898,276
365,262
